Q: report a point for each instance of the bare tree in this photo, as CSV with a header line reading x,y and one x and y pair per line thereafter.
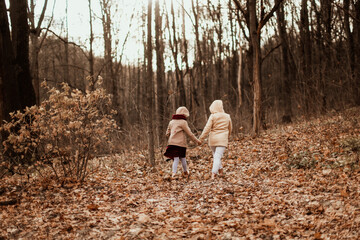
x,y
150,96
357,52
10,98
198,66
255,25
287,69
160,71
91,54
36,43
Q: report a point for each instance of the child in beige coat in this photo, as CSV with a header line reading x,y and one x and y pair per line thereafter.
x,y
177,130
218,127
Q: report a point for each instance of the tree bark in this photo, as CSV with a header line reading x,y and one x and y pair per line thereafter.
x,y
36,46
10,100
305,47
91,54
160,72
20,42
178,72
150,88
287,75
255,42
356,33
199,62
326,13
254,25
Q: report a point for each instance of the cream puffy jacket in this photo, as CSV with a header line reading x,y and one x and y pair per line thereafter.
x,y
178,129
218,126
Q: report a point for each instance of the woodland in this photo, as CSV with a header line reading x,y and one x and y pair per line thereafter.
x,y
83,130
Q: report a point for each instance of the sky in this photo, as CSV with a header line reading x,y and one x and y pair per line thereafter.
x,y
79,28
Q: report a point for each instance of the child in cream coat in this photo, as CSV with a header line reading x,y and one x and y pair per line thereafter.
x,y
177,131
218,127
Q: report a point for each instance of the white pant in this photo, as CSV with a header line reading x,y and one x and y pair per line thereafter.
x,y
218,152
176,163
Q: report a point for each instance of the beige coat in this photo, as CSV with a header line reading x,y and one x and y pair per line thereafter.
x,y
178,129
218,126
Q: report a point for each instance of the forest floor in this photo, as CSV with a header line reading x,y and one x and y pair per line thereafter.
x,y
297,181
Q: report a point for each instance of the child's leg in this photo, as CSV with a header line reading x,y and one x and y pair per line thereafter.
x,y
184,165
219,151
213,150
175,164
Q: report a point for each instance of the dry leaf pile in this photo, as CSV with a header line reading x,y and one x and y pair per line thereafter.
x,y
299,181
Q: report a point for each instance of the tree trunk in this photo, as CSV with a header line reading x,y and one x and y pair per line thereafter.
x,y
349,38
287,76
356,27
36,46
305,47
10,100
239,78
66,48
255,42
91,54
326,15
175,50
199,62
20,42
150,88
110,78
160,72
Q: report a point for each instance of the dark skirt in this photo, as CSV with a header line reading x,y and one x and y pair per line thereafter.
x,y
175,151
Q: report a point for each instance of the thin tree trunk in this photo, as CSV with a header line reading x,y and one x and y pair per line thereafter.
x,y
160,71
306,48
91,54
179,74
255,42
150,88
239,78
36,46
356,33
326,10
66,64
349,38
199,67
287,76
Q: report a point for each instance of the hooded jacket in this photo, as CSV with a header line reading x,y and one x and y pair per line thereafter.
x,y
178,129
219,126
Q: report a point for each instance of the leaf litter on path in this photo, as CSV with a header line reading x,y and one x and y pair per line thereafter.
x,y
297,181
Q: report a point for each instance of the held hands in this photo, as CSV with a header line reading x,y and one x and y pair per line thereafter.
x,y
199,142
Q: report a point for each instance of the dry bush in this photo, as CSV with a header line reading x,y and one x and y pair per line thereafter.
x,y
62,134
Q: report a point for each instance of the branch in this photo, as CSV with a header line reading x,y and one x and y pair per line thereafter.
x,y
65,41
273,49
42,15
239,7
192,22
269,15
347,12
48,27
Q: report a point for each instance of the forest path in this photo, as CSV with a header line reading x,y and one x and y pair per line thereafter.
x,y
299,181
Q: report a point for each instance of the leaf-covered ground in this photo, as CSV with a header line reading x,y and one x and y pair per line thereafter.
x,y
299,181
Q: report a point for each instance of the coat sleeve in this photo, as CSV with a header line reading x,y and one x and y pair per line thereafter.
x,y
168,131
207,128
230,126
189,133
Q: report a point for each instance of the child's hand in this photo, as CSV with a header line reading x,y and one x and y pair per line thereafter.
x,y
199,142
